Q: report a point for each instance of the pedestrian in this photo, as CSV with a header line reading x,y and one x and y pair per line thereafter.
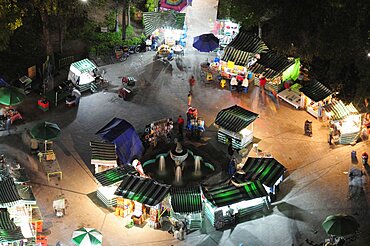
x,y
331,133
320,112
180,122
230,149
263,82
40,155
191,83
231,169
189,99
77,94
8,123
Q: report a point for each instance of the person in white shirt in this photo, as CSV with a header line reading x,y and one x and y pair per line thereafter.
x,y
245,84
233,82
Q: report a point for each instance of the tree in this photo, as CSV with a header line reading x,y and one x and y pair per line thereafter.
x,y
10,20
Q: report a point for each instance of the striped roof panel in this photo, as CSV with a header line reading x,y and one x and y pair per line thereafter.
x,y
9,232
266,170
162,19
84,65
186,199
8,192
315,91
227,194
235,118
114,175
142,190
338,110
103,151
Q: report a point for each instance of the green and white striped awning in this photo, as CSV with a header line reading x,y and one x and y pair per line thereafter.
x,y
227,193
84,66
337,110
186,199
162,19
9,232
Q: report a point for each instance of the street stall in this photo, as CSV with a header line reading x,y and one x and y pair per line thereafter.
x,y
158,131
11,234
146,194
123,135
313,95
165,27
186,206
226,203
108,182
346,121
267,170
235,124
82,72
292,95
103,156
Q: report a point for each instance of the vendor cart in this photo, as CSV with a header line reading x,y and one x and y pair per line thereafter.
x,y
59,206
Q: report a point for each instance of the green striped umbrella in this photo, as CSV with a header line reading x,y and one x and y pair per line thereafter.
x,y
11,96
340,225
87,237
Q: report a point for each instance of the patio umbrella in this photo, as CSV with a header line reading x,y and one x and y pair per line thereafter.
x,y
87,237
340,225
45,131
11,96
206,42
176,5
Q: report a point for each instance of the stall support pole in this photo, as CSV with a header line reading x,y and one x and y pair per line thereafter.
x,y
56,99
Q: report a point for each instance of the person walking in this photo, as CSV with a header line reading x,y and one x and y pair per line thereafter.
x,y
189,98
191,83
230,149
331,133
263,82
180,122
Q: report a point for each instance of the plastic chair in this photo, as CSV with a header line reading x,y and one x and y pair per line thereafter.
x,y
209,77
222,83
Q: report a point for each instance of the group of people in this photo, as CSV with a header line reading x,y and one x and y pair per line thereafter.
x,y
239,82
8,116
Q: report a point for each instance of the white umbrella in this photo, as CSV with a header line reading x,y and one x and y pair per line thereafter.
x,y
87,237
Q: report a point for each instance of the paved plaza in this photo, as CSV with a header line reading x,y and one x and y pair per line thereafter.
x,y
315,185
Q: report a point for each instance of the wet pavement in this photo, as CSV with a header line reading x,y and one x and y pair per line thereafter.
x,y
316,183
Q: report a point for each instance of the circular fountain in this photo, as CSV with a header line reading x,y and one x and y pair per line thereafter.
x,y
178,167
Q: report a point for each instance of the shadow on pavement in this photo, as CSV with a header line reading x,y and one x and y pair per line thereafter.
x,y
291,211
94,198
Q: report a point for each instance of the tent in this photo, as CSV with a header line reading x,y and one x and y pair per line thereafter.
x,y
81,72
123,135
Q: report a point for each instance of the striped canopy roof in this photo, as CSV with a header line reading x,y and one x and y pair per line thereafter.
x,y
243,47
8,192
142,190
103,153
9,232
114,175
186,199
271,65
227,194
235,118
266,170
315,91
84,65
338,110
162,19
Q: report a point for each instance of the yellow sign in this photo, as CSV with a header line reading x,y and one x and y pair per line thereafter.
x,y
230,64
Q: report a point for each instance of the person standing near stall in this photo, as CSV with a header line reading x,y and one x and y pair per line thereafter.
x,y
189,98
263,82
331,133
180,122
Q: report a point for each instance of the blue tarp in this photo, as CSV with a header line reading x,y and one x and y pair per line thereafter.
x,y
123,135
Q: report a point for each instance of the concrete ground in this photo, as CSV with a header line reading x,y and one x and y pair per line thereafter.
x,y
316,183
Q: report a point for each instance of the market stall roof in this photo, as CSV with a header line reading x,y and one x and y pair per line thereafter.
x,y
114,175
266,170
103,153
271,64
243,47
338,110
8,192
186,199
227,194
123,135
82,66
162,19
235,118
315,91
9,232
142,190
